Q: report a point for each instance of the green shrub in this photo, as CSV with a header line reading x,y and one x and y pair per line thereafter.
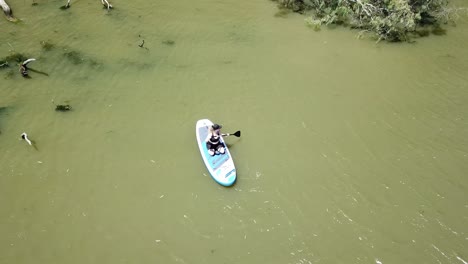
x,y
391,20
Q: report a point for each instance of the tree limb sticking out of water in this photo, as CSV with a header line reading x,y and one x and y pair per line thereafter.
x,y
7,11
391,20
104,2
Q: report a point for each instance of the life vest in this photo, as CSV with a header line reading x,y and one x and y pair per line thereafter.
x,y
214,139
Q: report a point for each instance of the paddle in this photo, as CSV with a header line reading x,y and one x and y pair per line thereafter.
x,y
237,134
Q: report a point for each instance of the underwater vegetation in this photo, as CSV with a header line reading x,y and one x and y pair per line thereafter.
x,y
63,108
74,57
15,57
47,45
282,12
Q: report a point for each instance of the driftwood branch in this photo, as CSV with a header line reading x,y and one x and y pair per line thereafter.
x,y
24,136
106,4
28,61
7,10
366,8
24,67
66,6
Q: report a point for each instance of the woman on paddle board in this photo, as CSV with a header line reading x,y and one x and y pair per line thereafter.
x,y
213,140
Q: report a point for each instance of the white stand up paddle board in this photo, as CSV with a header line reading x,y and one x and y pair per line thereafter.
x,y
220,166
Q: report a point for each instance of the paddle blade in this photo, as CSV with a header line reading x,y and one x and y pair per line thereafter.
x,y
237,134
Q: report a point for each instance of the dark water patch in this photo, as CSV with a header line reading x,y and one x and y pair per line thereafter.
x,y
3,112
4,109
117,15
9,75
95,64
50,51
439,31
422,32
136,64
282,13
428,30
47,45
168,42
74,57
240,34
15,57
78,58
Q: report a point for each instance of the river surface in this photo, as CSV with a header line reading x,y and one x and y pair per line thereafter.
x,y
351,151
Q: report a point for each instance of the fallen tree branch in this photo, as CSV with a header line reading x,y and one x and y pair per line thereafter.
x,y
7,11
106,4
28,61
30,142
24,67
66,6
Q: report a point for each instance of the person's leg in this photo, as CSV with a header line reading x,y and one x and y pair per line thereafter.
x,y
211,149
220,148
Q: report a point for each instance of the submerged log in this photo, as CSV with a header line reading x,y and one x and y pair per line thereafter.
x,y
7,11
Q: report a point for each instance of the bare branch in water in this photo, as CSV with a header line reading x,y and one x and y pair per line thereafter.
x,y
66,6
7,11
28,61
106,4
23,69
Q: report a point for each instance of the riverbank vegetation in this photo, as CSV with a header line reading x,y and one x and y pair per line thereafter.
x,y
391,20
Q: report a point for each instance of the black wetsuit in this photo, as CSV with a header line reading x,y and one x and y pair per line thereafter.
x,y
214,143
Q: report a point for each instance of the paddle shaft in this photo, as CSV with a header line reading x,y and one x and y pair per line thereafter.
x,y
237,134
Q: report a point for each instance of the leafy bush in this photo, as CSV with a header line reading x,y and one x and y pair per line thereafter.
x,y
391,20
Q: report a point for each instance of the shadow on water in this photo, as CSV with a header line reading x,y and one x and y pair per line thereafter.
x,y
37,71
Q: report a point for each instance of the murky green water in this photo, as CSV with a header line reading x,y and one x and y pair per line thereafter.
x,y
351,152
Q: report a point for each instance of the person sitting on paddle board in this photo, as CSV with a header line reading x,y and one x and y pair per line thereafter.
x,y
213,140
